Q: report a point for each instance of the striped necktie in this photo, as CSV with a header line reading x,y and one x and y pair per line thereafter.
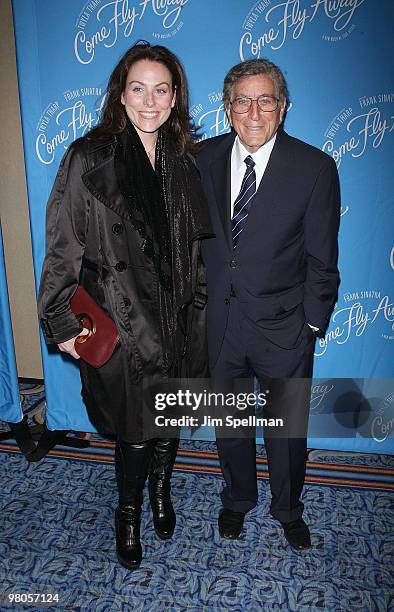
x,y
243,203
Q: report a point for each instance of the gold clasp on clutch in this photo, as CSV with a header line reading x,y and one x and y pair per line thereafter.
x,y
84,318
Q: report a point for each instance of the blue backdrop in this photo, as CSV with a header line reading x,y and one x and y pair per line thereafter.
x,y
10,408
338,60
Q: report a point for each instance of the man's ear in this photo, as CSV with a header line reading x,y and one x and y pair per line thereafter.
x,y
282,109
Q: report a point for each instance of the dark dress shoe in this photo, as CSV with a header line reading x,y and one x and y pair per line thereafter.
x,y
297,534
23,437
230,524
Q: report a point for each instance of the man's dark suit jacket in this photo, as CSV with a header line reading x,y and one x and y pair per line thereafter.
x,y
284,270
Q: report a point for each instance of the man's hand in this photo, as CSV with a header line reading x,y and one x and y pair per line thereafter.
x,y
69,345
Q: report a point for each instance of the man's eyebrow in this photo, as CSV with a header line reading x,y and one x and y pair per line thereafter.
x,y
241,95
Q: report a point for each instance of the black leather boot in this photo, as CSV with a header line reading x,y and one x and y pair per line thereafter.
x,y
163,459
131,466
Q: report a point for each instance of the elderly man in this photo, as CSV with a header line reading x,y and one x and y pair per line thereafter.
x,y
272,279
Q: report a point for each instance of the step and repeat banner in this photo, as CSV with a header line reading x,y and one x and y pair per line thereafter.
x,y
337,56
10,407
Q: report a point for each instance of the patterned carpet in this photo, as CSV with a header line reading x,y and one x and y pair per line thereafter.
x,y
57,536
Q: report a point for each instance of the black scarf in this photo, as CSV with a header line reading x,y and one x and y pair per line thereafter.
x,y
169,211
140,184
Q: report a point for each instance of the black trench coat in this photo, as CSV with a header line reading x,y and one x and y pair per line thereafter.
x,y
90,240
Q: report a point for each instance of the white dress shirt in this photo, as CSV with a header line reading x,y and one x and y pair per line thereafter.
x,y
238,166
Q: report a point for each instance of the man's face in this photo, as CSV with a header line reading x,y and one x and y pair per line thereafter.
x,y
256,127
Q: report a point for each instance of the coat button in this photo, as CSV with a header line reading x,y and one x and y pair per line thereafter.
x,y
227,301
126,302
117,229
121,266
233,263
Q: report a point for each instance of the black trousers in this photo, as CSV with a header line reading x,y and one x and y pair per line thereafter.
x,y
286,374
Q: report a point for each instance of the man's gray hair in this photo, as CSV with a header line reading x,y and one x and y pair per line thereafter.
x,y
251,68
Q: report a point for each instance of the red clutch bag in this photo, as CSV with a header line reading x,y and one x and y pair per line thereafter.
x,y
97,347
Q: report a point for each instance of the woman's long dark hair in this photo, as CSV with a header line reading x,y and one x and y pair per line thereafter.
x,y
113,116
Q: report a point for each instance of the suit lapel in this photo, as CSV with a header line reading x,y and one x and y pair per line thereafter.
x,y
221,179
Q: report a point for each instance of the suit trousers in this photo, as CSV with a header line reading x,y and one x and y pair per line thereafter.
x,y
286,375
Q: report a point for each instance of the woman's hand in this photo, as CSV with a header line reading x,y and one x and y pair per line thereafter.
x,y
69,345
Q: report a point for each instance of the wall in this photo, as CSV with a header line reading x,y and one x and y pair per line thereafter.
x,y
14,210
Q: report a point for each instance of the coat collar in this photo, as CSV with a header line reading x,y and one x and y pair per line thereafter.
x,y
276,170
100,178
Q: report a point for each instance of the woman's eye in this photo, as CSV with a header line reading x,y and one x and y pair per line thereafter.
x,y
161,91
137,89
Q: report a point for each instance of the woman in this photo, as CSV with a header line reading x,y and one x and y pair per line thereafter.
x,y
125,220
